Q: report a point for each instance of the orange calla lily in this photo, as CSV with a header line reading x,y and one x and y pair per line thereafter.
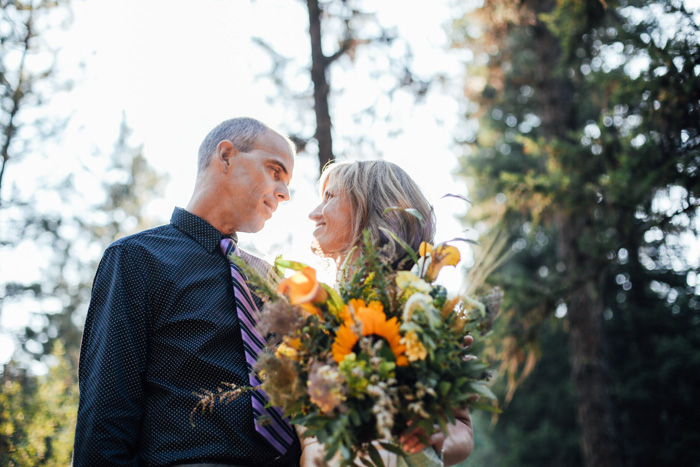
x,y
303,288
446,255
440,256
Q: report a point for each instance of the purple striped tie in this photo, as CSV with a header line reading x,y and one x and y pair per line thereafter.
x,y
277,430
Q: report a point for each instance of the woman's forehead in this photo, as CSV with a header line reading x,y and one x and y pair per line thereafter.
x,y
332,182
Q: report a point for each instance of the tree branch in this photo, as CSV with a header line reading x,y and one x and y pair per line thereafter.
x,y
348,43
17,96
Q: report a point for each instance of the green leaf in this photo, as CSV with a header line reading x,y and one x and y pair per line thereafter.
x,y
393,448
444,388
482,390
477,366
452,195
375,456
355,418
403,244
461,381
460,239
336,301
286,264
414,212
487,407
331,449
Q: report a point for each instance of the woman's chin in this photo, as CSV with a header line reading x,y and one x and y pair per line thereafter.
x,y
316,248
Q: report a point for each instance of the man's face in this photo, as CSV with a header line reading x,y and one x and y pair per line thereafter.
x,y
258,182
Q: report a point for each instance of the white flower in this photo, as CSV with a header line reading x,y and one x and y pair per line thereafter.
x,y
410,283
417,301
422,265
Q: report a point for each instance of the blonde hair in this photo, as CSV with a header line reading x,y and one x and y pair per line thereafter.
x,y
371,188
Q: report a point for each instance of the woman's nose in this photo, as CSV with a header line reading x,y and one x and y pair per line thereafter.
x,y
316,213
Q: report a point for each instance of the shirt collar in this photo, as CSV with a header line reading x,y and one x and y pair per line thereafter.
x,y
202,231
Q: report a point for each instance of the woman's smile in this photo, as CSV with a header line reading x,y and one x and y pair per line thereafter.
x,y
333,219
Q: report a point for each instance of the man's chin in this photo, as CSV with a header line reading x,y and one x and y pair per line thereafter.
x,y
252,229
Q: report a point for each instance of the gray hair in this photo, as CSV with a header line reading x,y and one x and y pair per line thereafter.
x,y
372,187
243,132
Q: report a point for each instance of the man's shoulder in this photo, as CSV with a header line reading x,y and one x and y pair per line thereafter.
x,y
159,238
147,237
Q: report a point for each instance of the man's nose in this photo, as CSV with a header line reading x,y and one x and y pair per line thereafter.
x,y
283,193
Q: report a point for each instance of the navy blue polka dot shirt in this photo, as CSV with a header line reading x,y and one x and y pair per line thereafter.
x,y
162,325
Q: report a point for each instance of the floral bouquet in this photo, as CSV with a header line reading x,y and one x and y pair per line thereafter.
x,y
357,366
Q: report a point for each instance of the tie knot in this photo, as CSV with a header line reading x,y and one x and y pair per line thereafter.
x,y
228,246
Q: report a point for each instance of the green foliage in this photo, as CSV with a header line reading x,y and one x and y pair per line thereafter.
x,y
655,339
538,427
588,153
37,415
62,228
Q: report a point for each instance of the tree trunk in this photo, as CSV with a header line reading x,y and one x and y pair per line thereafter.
x,y
600,443
319,64
590,370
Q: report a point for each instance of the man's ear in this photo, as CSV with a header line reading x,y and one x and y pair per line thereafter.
x,y
225,151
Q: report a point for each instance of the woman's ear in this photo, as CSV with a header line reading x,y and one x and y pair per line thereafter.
x,y
225,152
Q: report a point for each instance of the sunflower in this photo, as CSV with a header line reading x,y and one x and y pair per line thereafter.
x,y
374,323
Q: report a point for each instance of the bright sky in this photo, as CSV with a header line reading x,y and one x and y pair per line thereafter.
x,y
176,70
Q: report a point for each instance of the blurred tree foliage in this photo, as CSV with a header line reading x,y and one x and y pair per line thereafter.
x,y
53,337
25,76
538,428
59,216
582,141
37,415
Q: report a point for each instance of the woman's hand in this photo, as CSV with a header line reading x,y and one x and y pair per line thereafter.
x,y
454,447
412,441
457,444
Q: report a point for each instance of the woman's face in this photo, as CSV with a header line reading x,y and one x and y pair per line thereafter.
x,y
333,219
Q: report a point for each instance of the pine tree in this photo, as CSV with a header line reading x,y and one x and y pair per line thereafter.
x,y
587,154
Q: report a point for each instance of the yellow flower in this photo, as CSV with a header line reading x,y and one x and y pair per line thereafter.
x,y
440,256
410,283
414,348
288,348
303,289
374,323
